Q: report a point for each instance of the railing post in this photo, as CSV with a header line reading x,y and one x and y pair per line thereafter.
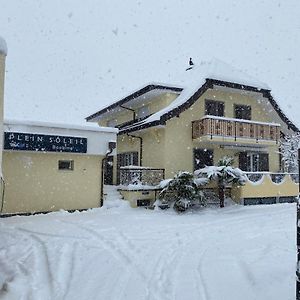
x,y
234,130
298,241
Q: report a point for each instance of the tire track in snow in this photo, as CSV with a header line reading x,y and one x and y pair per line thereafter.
x,y
246,271
115,248
201,277
66,259
66,267
42,262
165,270
51,234
125,251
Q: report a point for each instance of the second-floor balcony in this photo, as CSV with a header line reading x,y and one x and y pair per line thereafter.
x,y
214,127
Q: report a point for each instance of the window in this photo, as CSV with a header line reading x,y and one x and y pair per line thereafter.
x,y
143,112
254,162
214,108
143,202
127,159
66,165
242,112
202,158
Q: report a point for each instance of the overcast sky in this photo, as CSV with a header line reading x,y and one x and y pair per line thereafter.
x,y
66,59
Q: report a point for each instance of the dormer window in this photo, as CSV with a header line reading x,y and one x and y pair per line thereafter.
x,y
143,112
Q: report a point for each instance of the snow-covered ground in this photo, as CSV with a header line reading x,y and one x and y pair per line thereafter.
x,y
117,252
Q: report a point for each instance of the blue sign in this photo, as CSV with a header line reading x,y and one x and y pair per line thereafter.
x,y
46,143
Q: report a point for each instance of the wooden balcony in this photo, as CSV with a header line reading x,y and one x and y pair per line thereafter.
x,y
213,126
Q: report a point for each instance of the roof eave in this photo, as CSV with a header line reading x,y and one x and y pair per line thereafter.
x,y
134,95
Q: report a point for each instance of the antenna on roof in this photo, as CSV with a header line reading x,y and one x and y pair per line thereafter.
x,y
191,64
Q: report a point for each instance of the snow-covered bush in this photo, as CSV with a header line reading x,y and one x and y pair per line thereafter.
x,y
289,152
223,174
182,192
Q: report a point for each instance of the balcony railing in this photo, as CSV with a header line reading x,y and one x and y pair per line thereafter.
x,y
235,128
141,175
275,177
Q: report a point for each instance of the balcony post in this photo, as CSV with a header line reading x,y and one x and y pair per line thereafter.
x,y
235,131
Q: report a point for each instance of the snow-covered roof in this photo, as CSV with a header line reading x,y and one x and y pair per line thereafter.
x,y
193,82
196,77
220,70
3,46
152,88
86,127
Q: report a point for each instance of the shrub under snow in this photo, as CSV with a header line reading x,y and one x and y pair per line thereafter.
x,y
182,191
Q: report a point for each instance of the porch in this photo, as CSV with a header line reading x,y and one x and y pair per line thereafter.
x,y
140,185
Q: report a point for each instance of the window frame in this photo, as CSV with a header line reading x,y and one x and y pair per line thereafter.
x,y
254,161
217,112
242,106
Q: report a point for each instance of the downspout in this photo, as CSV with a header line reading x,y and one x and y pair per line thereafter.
x,y
130,110
111,147
141,146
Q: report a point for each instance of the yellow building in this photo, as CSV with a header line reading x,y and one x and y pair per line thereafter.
x,y
48,167
165,129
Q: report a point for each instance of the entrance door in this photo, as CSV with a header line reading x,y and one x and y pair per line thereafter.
x,y
108,170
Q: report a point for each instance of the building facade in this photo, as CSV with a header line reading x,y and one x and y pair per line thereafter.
x,y
48,167
167,129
